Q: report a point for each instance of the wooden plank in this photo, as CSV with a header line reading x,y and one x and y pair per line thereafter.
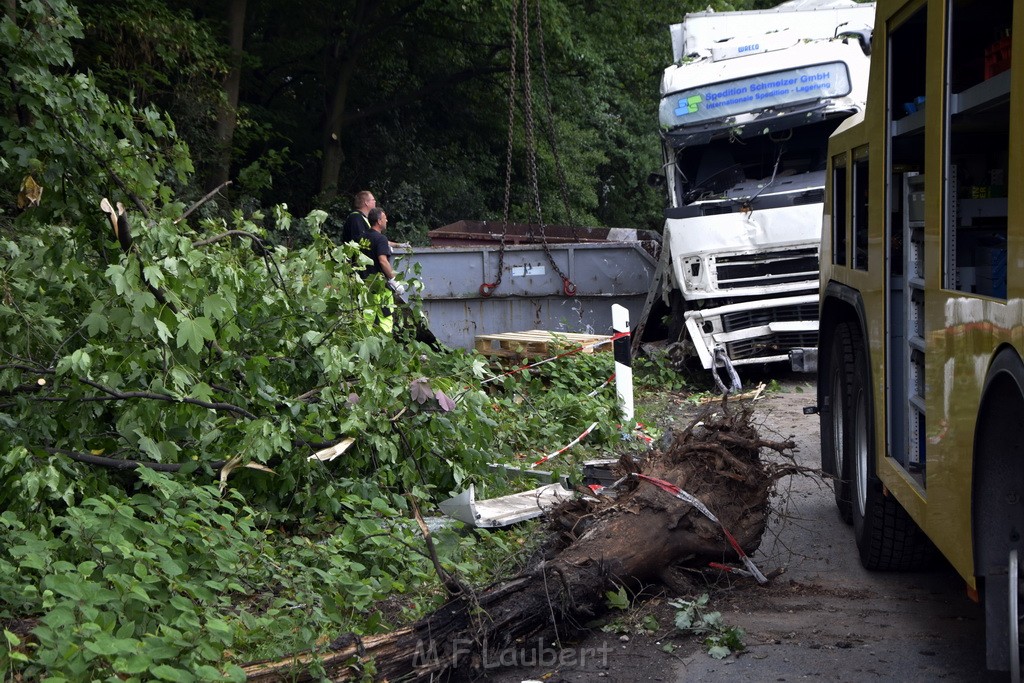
x,y
535,342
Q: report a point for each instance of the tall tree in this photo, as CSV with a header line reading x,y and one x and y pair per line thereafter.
x,y
227,112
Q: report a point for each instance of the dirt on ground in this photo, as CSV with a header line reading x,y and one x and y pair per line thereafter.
x,y
821,617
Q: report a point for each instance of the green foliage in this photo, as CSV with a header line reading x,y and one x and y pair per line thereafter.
x,y
262,355
656,374
550,405
177,576
68,135
617,599
693,617
239,341
629,619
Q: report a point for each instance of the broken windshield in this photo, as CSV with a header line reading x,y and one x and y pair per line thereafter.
x,y
731,169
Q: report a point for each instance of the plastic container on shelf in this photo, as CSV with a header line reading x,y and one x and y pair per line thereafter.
x,y
997,57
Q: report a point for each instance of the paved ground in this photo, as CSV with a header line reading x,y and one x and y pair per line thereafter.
x,y
824,618
827,618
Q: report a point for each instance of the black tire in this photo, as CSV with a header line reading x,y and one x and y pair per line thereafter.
x,y
837,384
887,537
997,517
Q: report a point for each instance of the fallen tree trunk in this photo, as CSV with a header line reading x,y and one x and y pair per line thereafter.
x,y
634,540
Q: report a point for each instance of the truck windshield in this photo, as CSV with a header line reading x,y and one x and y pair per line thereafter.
x,y
730,170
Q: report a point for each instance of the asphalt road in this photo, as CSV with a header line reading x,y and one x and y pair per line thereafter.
x,y
826,618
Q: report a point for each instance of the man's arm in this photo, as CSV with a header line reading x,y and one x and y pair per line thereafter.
x,y
385,266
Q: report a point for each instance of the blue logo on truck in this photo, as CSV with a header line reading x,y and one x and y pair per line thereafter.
x,y
688,105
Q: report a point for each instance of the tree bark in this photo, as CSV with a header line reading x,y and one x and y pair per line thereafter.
x,y
341,65
633,541
227,113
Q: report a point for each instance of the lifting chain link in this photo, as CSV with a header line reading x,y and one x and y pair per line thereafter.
x,y
488,288
568,288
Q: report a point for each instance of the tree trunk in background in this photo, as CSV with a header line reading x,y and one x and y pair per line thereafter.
x,y
341,66
227,114
10,9
334,155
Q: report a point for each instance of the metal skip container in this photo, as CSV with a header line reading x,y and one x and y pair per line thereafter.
x,y
604,266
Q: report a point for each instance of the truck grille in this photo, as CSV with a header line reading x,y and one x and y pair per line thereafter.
x,y
774,344
761,270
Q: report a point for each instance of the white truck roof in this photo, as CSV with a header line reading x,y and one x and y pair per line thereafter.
x,y
701,32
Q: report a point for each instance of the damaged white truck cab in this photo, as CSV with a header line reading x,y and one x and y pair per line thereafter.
x,y
746,112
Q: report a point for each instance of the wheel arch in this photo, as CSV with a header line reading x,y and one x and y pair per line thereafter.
x,y
839,303
997,471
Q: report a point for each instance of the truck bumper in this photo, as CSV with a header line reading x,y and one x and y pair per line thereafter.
x,y
708,329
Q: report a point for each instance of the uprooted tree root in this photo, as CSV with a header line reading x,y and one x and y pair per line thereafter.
x,y
639,537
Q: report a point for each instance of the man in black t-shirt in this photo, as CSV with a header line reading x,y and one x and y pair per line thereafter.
x,y
357,225
379,253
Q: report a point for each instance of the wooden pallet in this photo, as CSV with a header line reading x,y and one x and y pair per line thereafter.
x,y
537,343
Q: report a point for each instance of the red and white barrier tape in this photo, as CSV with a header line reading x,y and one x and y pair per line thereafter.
x,y
688,498
605,383
568,446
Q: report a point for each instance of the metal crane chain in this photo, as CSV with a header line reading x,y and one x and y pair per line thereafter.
x,y
568,288
488,288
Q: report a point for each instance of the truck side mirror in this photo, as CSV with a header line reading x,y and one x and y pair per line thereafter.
x,y
863,37
656,180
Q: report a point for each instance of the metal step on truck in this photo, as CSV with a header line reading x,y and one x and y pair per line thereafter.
x,y
746,111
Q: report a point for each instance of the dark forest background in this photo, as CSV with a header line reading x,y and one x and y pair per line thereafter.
x,y
306,103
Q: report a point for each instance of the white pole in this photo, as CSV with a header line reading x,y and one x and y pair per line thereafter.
x,y
623,365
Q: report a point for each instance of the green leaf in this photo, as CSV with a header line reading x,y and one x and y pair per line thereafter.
x,y
65,584
96,322
134,664
684,620
116,273
201,391
10,31
162,331
174,568
168,673
193,332
216,306
80,362
12,639
719,651
108,645
153,274
618,599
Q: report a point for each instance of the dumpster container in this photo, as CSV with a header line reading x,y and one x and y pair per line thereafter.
x,y
606,266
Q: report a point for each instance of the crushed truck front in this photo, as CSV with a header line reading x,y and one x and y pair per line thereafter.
x,y
745,119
